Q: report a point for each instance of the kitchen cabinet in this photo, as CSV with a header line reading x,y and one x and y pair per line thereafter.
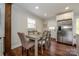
x,y
65,16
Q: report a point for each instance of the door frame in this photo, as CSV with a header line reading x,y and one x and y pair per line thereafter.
x,y
7,39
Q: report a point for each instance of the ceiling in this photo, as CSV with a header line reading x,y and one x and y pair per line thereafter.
x,y
50,8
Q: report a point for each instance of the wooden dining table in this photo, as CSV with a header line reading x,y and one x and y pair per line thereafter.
x,y
36,38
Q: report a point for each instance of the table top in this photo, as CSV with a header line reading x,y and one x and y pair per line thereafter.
x,y
35,37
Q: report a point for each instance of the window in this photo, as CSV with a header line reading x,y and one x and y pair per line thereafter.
x,y
31,23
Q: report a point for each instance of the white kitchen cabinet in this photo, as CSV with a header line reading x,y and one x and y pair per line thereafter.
x,y
64,16
59,17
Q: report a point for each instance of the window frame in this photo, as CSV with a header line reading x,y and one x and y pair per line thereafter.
x,y
31,23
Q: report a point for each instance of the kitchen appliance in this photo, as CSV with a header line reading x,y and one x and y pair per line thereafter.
x,y
64,32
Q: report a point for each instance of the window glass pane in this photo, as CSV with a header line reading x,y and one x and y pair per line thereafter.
x,y
31,23
31,20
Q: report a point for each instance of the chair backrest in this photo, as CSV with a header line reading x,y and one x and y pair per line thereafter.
x,y
23,38
49,34
30,32
44,35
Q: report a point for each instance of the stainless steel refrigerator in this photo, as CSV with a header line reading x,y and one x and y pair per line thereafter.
x,y
64,31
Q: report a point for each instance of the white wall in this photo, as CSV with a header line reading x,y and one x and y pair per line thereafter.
x,y
2,17
19,23
75,16
39,25
77,48
52,23
74,22
45,22
76,36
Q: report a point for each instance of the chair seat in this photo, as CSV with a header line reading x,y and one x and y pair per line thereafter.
x,y
28,45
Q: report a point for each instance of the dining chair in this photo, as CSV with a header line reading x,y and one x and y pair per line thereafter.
x,y
42,42
48,38
45,40
26,44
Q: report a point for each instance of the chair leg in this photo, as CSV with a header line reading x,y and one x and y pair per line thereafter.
x,y
22,51
45,45
42,49
27,52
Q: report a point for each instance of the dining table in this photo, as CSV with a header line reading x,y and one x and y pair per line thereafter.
x,y
36,38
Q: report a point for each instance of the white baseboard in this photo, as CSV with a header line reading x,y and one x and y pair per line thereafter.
x,y
1,53
15,45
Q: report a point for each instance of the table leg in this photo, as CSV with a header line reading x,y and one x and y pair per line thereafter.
x,y
36,47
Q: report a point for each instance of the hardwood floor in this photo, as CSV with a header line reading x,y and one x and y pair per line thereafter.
x,y
56,49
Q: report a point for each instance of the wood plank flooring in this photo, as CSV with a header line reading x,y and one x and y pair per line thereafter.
x,y
56,49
